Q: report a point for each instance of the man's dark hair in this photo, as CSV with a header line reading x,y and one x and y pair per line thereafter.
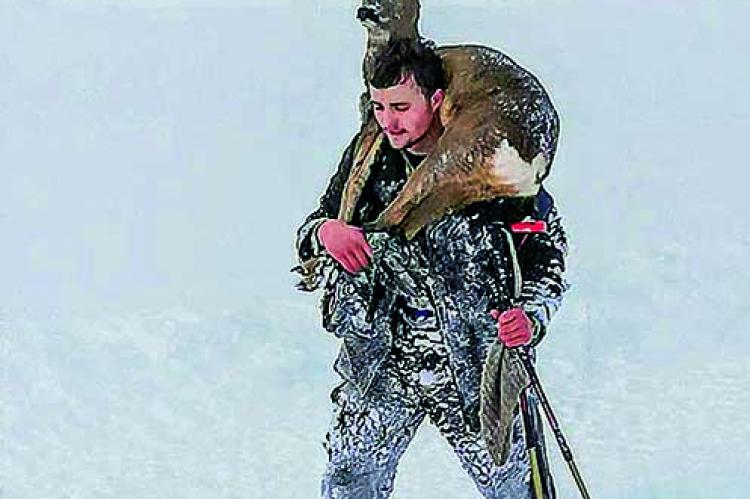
x,y
404,57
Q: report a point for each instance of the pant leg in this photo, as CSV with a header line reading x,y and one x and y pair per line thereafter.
x,y
512,479
367,436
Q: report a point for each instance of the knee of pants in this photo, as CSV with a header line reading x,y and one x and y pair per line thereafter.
x,y
347,480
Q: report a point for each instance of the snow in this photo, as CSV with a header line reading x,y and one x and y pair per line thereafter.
x,y
155,163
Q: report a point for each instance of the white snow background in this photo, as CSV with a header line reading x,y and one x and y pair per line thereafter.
x,y
156,158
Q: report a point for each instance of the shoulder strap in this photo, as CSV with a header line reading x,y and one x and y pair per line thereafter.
x,y
543,204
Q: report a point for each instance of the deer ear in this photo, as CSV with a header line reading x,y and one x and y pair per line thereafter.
x,y
437,98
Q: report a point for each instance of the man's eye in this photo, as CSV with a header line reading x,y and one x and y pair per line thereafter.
x,y
377,107
401,108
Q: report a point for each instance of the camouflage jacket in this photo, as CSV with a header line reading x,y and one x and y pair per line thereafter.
x,y
461,266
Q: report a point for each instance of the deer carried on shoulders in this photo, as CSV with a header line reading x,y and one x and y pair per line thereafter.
x,y
500,135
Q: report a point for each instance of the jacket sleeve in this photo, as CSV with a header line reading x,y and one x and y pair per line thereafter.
x,y
541,257
307,243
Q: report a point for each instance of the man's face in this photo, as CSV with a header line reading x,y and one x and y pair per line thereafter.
x,y
403,111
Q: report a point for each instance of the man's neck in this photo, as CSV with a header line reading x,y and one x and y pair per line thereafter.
x,y
428,140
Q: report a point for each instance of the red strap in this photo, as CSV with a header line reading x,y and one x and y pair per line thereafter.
x,y
530,227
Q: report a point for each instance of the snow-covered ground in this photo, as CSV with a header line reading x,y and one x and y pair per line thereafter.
x,y
156,157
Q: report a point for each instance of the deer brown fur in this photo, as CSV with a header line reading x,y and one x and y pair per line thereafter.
x,y
500,128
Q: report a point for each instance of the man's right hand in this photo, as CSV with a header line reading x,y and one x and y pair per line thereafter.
x,y
346,244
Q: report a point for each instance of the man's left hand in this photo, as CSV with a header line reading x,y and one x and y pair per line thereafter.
x,y
514,328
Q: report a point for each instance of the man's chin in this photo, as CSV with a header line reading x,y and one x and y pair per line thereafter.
x,y
398,142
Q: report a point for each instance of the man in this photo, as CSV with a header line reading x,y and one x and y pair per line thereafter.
x,y
438,340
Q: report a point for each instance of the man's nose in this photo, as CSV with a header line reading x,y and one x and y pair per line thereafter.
x,y
390,121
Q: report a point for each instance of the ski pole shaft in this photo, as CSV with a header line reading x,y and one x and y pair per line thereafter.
x,y
532,448
561,442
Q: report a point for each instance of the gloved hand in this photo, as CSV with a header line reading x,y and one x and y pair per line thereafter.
x,y
346,244
514,328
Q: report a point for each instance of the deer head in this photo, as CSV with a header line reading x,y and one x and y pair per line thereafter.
x,y
385,20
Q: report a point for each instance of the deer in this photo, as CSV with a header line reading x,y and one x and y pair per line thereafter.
x,y
500,128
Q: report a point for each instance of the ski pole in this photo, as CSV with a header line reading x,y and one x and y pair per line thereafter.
x,y
523,354
532,448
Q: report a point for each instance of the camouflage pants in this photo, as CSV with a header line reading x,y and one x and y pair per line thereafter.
x,y
369,434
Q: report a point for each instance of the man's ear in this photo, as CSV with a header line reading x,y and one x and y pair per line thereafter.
x,y
437,98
